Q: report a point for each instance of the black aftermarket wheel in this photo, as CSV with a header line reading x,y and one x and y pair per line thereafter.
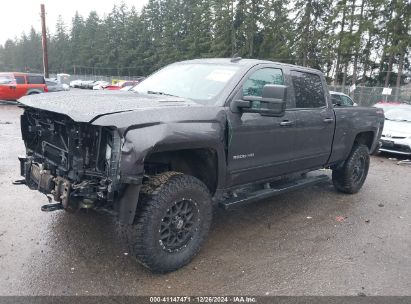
x,y
351,176
179,225
172,222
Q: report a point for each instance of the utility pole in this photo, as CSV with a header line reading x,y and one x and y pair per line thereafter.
x,y
44,42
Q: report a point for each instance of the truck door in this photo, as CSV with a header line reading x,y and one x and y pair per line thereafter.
x,y
315,121
259,146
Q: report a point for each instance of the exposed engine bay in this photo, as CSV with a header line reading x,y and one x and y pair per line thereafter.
x,y
76,163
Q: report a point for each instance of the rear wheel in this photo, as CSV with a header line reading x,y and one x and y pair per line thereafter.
x,y
172,222
351,176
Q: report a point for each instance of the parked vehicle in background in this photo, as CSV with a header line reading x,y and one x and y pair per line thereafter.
x,y
386,105
126,88
15,85
396,135
54,86
81,84
76,83
341,99
122,84
87,84
193,135
100,85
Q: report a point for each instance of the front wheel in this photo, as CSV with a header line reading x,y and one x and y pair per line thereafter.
x,y
172,222
351,176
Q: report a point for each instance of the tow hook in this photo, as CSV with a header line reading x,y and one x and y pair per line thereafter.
x,y
19,182
52,207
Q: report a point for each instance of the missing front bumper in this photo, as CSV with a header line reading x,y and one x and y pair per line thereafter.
x,y
42,180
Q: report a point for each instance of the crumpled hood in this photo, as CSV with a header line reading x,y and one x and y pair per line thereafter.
x,y
397,128
85,106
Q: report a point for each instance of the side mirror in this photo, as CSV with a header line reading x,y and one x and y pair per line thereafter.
x,y
271,103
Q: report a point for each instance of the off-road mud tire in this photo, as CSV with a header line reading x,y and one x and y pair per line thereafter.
x,y
350,177
159,195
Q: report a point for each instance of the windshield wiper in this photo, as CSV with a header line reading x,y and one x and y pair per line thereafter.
x,y
161,93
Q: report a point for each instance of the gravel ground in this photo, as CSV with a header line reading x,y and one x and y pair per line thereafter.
x,y
310,242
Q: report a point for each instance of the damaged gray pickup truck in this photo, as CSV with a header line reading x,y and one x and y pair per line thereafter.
x,y
193,135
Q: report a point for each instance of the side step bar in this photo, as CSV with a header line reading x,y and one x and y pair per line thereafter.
x,y
274,190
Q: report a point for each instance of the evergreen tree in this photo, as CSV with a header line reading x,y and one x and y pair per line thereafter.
x,y
59,48
277,32
351,41
77,28
311,18
223,43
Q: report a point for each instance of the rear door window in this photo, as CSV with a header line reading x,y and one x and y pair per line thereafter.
x,y
20,79
308,90
35,79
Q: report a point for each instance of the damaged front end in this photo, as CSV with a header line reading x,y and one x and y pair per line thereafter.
x,y
77,164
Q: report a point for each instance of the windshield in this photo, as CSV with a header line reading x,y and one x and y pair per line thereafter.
x,y
5,79
196,81
399,115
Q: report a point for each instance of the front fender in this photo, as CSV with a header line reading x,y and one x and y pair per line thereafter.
x,y
139,143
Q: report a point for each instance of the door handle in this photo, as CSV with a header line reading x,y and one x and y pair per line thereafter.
x,y
286,123
328,120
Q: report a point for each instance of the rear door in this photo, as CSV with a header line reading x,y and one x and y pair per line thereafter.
x,y
35,83
315,120
21,86
259,146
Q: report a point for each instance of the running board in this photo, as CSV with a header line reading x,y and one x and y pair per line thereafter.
x,y
272,191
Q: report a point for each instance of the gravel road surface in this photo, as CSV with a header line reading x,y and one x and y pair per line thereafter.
x,y
311,242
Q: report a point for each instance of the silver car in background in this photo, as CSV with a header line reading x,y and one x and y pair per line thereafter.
x,y
341,99
396,135
54,86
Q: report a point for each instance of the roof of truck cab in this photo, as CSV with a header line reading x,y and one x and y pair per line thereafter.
x,y
244,62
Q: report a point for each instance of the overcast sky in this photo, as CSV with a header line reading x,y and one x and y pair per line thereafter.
x,y
17,16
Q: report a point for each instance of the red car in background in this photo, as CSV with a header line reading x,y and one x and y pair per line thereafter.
x,y
15,85
121,85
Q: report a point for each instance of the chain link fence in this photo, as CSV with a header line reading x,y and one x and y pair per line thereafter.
x,y
369,96
110,79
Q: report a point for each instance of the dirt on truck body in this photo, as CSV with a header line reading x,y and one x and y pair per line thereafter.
x,y
193,135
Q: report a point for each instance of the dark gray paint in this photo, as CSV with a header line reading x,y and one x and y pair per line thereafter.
x,y
150,123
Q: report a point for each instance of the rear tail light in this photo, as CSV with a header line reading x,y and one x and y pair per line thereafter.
x,y
46,89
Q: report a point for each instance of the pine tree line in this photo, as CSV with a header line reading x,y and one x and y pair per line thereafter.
x,y
366,42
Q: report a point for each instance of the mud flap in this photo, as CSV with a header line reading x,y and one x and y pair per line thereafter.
x,y
128,204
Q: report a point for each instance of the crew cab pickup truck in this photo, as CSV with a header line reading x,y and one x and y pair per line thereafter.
x,y
192,135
